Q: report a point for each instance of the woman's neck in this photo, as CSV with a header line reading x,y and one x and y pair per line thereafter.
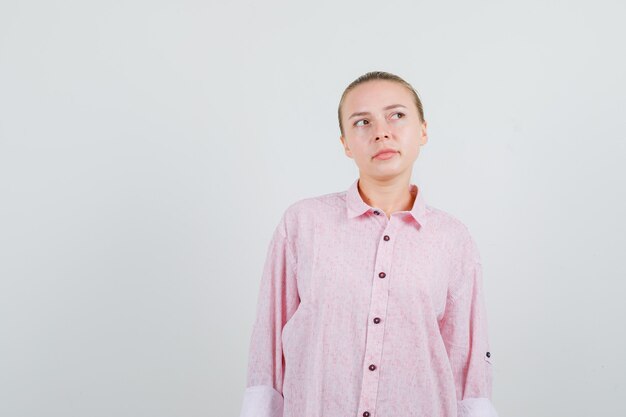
x,y
389,196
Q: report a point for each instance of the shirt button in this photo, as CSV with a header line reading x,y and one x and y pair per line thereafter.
x,y
372,367
366,414
376,212
382,275
386,237
376,320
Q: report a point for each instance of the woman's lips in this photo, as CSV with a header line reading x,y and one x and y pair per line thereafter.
x,y
386,155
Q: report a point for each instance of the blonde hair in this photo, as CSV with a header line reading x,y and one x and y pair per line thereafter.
x,y
380,75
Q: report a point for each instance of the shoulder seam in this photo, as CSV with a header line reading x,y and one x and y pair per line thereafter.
x,y
454,297
283,234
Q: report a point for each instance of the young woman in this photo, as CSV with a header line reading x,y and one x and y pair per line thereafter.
x,y
371,301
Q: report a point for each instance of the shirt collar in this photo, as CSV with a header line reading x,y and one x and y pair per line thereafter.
x,y
355,206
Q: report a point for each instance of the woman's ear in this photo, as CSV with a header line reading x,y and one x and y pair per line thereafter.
x,y
345,146
424,137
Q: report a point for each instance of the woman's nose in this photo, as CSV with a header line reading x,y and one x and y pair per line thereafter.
x,y
382,131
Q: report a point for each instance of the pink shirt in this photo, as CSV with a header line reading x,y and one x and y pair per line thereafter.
x,y
361,315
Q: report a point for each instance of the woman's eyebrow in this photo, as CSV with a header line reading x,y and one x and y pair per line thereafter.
x,y
365,113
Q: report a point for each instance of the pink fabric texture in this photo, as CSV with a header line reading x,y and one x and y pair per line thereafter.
x,y
363,315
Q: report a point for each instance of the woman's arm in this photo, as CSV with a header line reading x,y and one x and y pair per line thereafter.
x,y
464,332
277,301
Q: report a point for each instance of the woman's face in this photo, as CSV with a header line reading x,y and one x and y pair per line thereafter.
x,y
371,124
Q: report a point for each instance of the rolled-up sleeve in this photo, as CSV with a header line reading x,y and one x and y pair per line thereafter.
x,y
464,332
277,301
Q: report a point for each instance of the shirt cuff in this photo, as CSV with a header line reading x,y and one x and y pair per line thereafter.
x,y
262,401
476,407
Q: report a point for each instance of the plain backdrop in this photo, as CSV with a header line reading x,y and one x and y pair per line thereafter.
x,y
149,148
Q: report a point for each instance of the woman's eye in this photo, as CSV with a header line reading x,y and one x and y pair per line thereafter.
x,y
400,114
358,121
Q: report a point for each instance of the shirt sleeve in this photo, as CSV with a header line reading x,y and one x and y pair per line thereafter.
x,y
464,332
277,301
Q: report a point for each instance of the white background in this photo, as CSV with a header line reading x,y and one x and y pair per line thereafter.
x,y
148,149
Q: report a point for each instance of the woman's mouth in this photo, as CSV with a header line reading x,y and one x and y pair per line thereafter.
x,y
386,155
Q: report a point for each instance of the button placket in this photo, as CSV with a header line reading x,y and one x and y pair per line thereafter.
x,y
381,217
375,332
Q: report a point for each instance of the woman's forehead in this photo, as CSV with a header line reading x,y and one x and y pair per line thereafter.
x,y
378,94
